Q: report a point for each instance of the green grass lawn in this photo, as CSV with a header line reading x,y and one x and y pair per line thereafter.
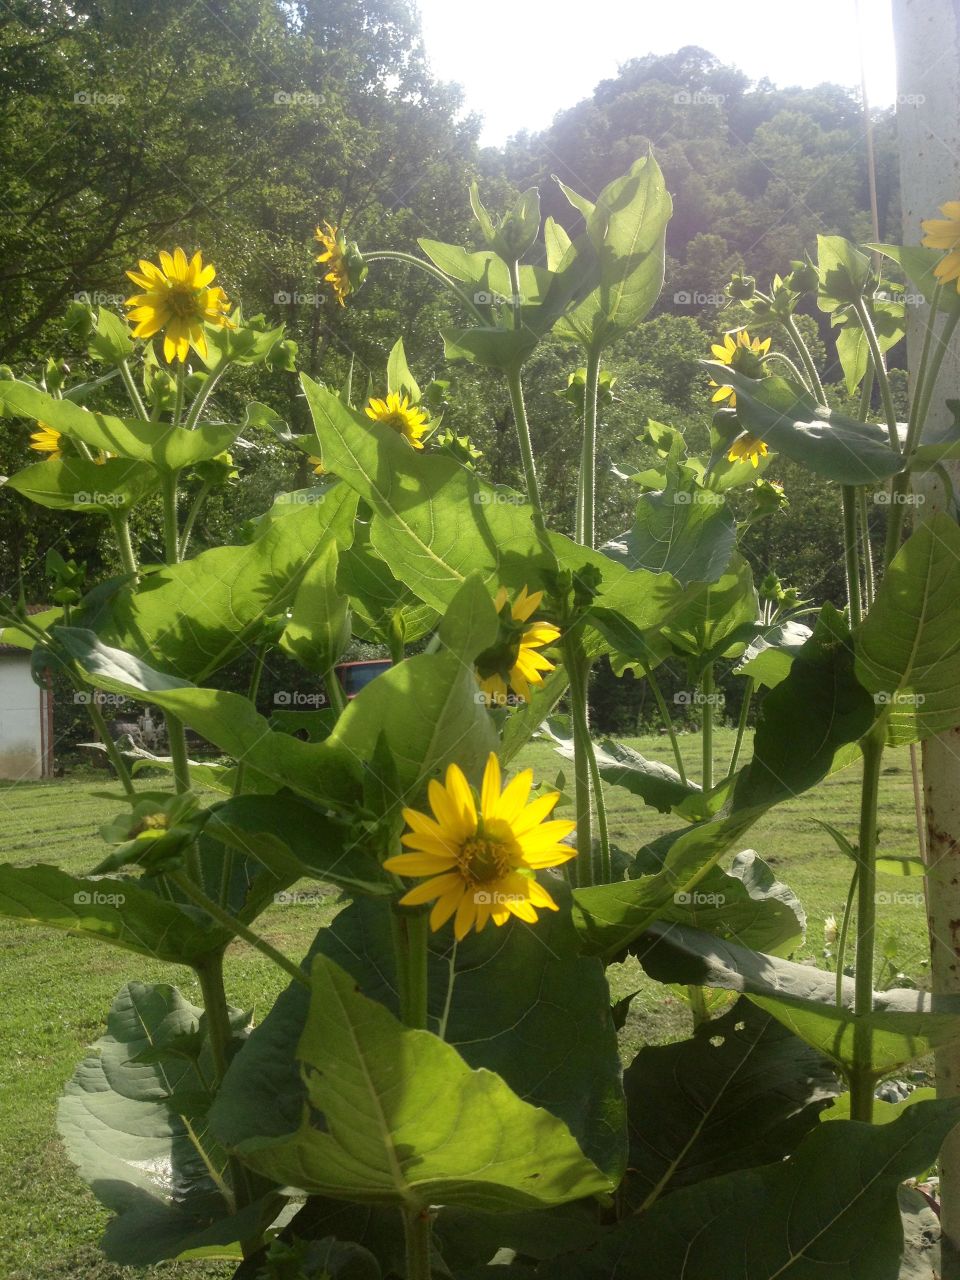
x,y
58,987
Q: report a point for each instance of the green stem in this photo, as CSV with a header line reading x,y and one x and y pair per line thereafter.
x,y
581,870
417,1229
179,757
698,1006
741,726
139,408
707,690
668,722
121,532
800,377
203,395
515,383
602,873
113,752
880,370
851,559
192,513
806,359
252,691
586,497
869,581
181,390
862,1075
238,929
844,931
394,255
171,521
210,975
410,932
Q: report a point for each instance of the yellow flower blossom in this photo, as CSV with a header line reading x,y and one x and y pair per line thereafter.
x,y
177,300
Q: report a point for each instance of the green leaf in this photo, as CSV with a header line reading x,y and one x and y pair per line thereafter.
x,y
656,784
918,264
828,443
627,229
742,1092
907,650
193,617
318,628
816,710
769,657
165,447
407,1122
843,270
495,348
377,597
79,484
119,911
159,1170
688,532
783,1219
399,378
110,341
716,615
904,1024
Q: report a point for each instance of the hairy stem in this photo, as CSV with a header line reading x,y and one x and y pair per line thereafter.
x,y
862,1075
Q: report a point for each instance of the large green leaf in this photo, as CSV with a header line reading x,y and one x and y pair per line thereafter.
x,y
378,602
191,618
166,447
486,994
908,648
655,783
717,615
843,270
769,656
117,911
918,263
829,1212
828,443
318,626
134,1121
626,228
904,1024
742,1092
397,1117
435,523
79,484
684,531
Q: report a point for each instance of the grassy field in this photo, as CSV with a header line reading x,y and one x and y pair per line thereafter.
x,y
58,987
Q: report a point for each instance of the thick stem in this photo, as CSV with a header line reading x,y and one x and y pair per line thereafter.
x,y
181,391
139,408
880,370
210,976
586,503
851,558
583,870
121,532
844,932
869,582
862,1075
667,721
252,690
417,1229
191,519
741,726
806,359
708,694
410,932
601,868
113,753
515,384
239,930
202,396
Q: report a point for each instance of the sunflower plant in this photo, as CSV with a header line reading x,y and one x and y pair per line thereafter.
x,y
439,1089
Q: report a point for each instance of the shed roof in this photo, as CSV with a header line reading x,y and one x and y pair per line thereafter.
x,y
15,648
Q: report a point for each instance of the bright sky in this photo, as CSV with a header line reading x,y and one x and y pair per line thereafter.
x,y
564,47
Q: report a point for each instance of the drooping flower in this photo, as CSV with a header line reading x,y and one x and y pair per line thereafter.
x,y
177,300
748,448
397,412
945,234
728,353
46,440
335,256
515,664
481,854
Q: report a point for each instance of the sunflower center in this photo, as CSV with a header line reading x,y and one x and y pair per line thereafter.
x,y
182,301
482,859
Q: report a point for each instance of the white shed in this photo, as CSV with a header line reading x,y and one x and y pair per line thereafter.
x,y
26,719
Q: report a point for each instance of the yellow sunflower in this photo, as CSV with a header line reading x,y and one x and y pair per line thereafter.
x,y
516,663
335,256
939,234
727,354
46,440
482,859
177,301
748,448
396,411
